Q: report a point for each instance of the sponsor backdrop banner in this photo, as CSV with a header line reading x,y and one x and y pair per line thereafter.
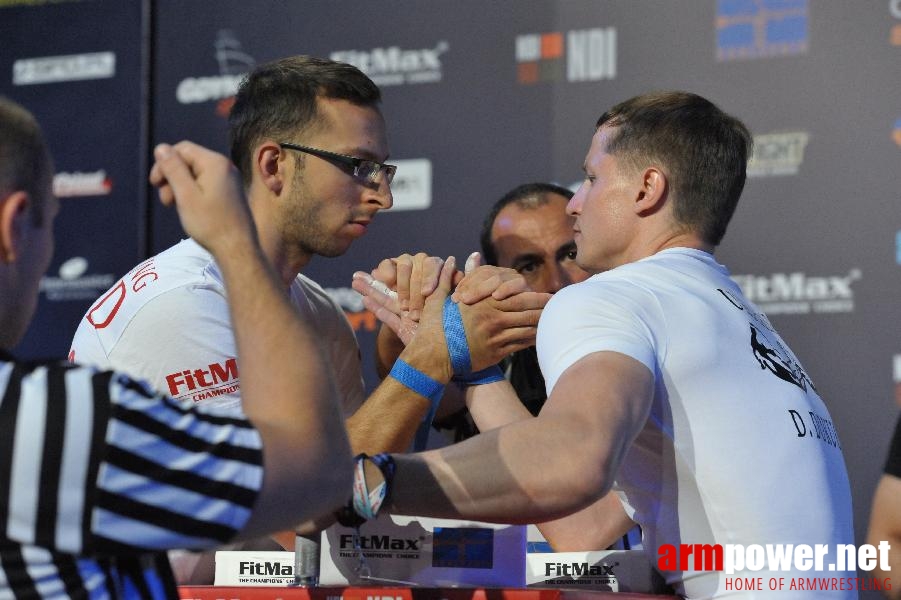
x,y
77,67
480,97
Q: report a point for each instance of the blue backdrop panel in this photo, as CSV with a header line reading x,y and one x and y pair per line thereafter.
x,y
77,67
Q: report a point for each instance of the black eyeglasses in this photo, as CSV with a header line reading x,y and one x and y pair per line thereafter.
x,y
367,170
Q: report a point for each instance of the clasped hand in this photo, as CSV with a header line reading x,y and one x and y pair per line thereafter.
x,y
499,311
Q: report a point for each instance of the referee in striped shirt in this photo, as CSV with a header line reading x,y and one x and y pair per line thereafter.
x,y
99,476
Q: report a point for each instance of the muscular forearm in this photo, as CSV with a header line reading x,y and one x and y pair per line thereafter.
x,y
388,420
501,476
296,412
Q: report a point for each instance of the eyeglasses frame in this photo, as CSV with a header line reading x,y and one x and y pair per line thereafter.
x,y
344,159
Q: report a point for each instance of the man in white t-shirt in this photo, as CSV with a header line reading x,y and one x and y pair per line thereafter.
x,y
665,383
309,140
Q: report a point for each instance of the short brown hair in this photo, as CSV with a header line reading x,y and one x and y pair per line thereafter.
x,y
278,99
704,150
24,160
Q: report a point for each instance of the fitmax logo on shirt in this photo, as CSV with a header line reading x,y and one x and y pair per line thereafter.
x,y
799,293
200,381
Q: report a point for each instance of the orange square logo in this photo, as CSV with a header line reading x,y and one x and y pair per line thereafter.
x,y
552,45
527,72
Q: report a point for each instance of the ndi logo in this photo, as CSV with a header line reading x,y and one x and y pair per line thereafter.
x,y
760,29
777,153
580,55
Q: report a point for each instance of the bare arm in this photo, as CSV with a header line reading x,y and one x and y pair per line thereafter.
x,y
539,469
294,407
885,525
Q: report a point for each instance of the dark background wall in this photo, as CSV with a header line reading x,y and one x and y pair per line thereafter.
x,y
481,96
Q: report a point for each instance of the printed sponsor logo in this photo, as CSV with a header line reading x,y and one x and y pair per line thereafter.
x,y
800,293
266,568
777,154
92,183
578,55
73,282
71,67
233,63
265,572
379,546
412,185
894,7
764,29
397,66
580,570
216,379
785,558
896,132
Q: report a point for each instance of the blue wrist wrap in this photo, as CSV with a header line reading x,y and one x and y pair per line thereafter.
x,y
458,349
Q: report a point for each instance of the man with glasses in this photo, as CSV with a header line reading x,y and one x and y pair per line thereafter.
x,y
310,141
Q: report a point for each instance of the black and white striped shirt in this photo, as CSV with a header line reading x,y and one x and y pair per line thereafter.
x,y
99,476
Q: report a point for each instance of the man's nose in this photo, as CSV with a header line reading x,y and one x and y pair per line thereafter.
x,y
380,195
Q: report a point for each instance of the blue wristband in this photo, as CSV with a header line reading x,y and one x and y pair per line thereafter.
x,y
414,379
458,349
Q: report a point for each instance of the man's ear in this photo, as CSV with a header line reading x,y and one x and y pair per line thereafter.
x,y
653,190
270,165
13,212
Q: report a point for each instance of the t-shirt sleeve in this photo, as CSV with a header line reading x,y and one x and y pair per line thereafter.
x,y
596,316
183,344
893,461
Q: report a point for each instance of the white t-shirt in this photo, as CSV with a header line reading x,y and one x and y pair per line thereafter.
x,y
167,321
738,447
